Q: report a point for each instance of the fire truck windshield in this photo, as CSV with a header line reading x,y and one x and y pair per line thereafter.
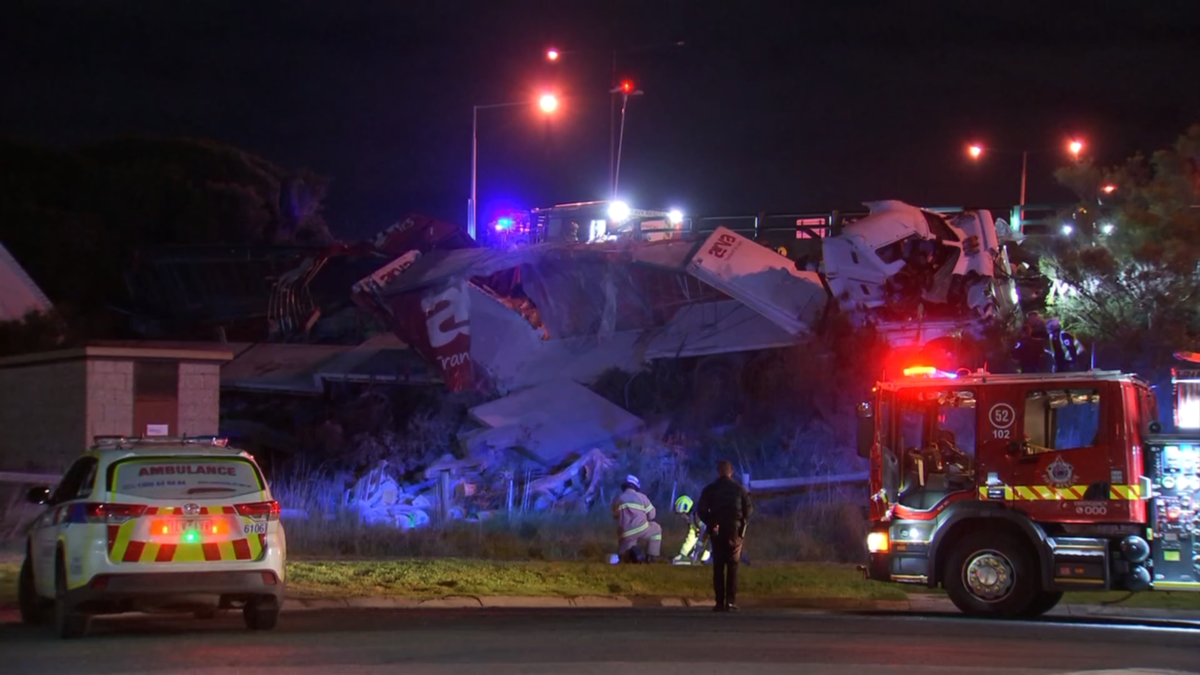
x,y
931,437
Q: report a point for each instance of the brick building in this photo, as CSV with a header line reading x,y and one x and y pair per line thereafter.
x,y
52,404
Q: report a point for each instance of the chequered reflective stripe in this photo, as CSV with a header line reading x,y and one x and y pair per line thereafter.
x,y
1125,492
1048,493
122,547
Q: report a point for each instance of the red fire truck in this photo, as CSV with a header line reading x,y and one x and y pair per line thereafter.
x,y
1008,490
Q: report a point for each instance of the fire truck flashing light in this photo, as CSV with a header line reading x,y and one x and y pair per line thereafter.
x,y
928,371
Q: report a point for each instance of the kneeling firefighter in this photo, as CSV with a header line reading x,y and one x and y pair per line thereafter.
x,y
637,533
695,546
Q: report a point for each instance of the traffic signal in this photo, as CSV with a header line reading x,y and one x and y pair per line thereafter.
x,y
627,86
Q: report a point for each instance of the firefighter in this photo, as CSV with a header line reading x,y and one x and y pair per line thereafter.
x,y
1064,345
636,529
725,508
1030,352
697,533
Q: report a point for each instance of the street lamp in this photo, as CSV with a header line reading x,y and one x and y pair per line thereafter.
x,y
553,55
976,150
547,103
626,89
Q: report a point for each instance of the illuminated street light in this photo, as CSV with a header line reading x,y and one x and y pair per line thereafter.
x,y
1109,189
675,216
552,54
1067,229
975,151
1075,147
547,103
1107,228
619,212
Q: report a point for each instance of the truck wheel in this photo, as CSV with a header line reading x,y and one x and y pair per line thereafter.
x,y
1044,602
69,623
33,608
992,574
261,613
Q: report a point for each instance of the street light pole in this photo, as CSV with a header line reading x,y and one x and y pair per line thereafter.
x,y
626,89
548,104
474,170
612,123
1024,173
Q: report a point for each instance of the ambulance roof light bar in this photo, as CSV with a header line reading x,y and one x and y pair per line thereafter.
x,y
118,442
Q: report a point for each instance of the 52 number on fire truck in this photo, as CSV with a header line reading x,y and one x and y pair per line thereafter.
x,y
1002,416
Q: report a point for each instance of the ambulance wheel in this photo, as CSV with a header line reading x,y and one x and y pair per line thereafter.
x,y
1045,601
992,574
69,623
261,613
33,608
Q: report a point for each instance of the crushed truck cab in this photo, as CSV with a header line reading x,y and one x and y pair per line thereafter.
x,y
1008,490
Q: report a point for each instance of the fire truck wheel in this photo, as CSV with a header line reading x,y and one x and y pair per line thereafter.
x,y
991,574
1045,601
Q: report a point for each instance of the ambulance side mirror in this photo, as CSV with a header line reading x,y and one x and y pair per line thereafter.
x,y
866,428
38,495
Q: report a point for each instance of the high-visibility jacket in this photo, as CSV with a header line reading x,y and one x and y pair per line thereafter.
x,y
633,512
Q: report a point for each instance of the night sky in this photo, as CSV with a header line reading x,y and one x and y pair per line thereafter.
x,y
786,106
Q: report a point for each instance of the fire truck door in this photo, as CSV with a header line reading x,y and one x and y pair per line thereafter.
x,y
1061,458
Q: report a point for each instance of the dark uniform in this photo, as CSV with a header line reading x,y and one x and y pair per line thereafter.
x,y
725,509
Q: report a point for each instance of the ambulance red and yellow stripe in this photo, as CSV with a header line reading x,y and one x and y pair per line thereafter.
x,y
122,547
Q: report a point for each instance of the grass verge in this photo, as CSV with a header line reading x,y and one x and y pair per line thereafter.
x,y
436,578
432,578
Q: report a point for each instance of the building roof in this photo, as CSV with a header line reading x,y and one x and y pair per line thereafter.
x,y
171,351
303,369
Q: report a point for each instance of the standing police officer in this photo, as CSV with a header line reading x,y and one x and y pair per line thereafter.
x,y
725,509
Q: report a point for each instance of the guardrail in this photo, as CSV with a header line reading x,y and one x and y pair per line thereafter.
x,y
22,478
789,485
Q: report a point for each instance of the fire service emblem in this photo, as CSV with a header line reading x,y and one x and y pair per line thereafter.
x,y
1060,474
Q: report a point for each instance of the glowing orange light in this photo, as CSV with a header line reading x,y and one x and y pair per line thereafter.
x,y
165,529
1075,147
1109,189
552,54
548,103
975,151
919,370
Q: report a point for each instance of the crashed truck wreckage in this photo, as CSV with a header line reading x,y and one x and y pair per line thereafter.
x,y
514,319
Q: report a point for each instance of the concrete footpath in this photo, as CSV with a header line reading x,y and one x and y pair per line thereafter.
x,y
918,604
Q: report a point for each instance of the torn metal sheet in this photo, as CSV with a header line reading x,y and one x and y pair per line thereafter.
x,y
551,421
19,295
762,279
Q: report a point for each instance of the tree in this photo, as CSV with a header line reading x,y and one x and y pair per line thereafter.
x,y
76,219
1127,273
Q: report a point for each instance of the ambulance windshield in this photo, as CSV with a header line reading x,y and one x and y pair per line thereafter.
x,y
185,477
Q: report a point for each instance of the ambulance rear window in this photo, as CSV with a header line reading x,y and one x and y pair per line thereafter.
x,y
184,477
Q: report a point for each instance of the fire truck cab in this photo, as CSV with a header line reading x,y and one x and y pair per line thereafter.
x,y
1008,490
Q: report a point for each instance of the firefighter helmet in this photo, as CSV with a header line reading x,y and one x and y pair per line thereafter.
x,y
683,505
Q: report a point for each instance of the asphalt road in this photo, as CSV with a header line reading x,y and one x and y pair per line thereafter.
x,y
601,641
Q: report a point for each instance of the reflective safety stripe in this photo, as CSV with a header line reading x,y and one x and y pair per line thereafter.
x,y
635,506
1125,492
657,537
637,530
1048,493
